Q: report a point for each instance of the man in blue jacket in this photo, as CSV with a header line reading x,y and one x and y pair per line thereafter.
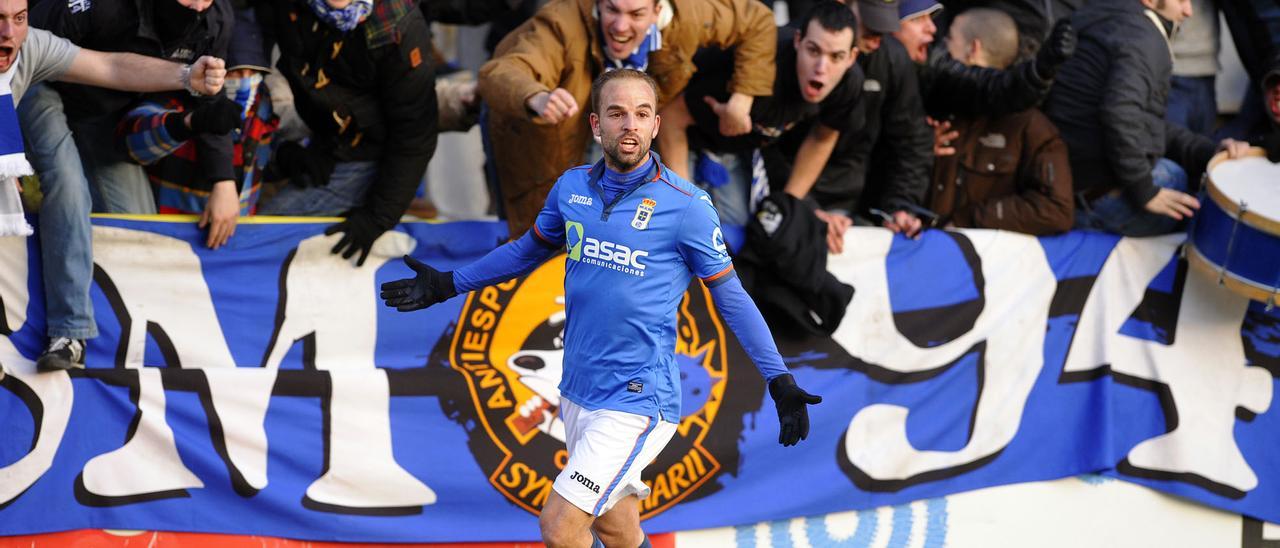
x,y
635,232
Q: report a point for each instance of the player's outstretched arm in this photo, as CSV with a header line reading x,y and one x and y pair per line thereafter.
x,y
431,286
428,287
744,318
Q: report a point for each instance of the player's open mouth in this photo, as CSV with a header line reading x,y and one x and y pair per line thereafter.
x,y
629,144
6,54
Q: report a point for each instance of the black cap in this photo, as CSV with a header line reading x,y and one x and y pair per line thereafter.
x,y
879,15
247,45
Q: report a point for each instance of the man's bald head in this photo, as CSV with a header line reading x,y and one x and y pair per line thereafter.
x,y
988,37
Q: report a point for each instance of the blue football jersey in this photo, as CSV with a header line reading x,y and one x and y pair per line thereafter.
x,y
629,264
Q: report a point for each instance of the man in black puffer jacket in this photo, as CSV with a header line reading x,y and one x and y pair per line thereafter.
x,y
1130,166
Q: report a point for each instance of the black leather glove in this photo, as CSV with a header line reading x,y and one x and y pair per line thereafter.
x,y
219,116
429,287
1272,145
1056,49
793,416
302,166
358,234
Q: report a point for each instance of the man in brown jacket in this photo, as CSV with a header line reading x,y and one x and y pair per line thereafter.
x,y
541,74
1008,172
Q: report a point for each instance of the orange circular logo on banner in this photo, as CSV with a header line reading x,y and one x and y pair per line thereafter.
x,y
509,346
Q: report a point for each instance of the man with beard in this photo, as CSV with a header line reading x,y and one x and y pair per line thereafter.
x,y
65,231
543,70
620,387
813,80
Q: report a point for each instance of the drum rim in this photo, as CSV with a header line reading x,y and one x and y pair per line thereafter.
x,y
1233,282
1232,209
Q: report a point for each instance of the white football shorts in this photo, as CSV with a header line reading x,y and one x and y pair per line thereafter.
x,y
607,451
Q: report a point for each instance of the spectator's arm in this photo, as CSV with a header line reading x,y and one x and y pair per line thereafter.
x,y
1043,203
133,72
1191,150
955,88
748,27
147,135
673,139
810,159
528,61
407,97
909,141
1125,124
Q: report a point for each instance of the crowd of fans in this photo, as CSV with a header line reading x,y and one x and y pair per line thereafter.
x,y
1035,116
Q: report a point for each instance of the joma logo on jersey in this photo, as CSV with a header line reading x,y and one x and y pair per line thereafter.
x,y
579,199
602,253
585,482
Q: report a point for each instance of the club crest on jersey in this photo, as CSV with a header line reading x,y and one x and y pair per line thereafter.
x,y
644,212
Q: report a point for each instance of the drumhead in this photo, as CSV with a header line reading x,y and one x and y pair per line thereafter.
x,y
1252,180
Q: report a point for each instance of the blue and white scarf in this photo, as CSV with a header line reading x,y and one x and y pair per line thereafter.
x,y
639,59
13,161
344,19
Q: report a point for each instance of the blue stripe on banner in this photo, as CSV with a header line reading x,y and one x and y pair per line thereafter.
x,y
900,535
935,534
744,536
11,136
635,451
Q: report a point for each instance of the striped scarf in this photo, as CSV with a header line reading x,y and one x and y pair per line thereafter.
x,y
13,162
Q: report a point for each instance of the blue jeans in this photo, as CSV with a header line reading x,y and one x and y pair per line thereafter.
x,y
1115,214
65,231
348,185
1193,103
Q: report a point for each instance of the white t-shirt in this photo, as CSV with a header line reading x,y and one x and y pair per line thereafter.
x,y
43,56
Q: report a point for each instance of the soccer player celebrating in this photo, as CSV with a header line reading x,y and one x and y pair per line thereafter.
x,y
621,384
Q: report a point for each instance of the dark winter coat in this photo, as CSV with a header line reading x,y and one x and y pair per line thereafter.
x,y
367,95
1108,101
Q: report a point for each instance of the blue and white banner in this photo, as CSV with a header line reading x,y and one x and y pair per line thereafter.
x,y
262,389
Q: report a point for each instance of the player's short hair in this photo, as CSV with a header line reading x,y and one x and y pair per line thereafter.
x,y
597,87
996,30
833,16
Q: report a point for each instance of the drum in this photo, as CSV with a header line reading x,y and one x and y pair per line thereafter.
x,y
1235,236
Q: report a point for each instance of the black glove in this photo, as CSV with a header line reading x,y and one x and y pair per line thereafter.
x,y
302,166
793,416
219,116
358,234
429,287
1056,49
1272,145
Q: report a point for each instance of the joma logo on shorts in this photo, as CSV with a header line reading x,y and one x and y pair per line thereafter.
x,y
586,482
